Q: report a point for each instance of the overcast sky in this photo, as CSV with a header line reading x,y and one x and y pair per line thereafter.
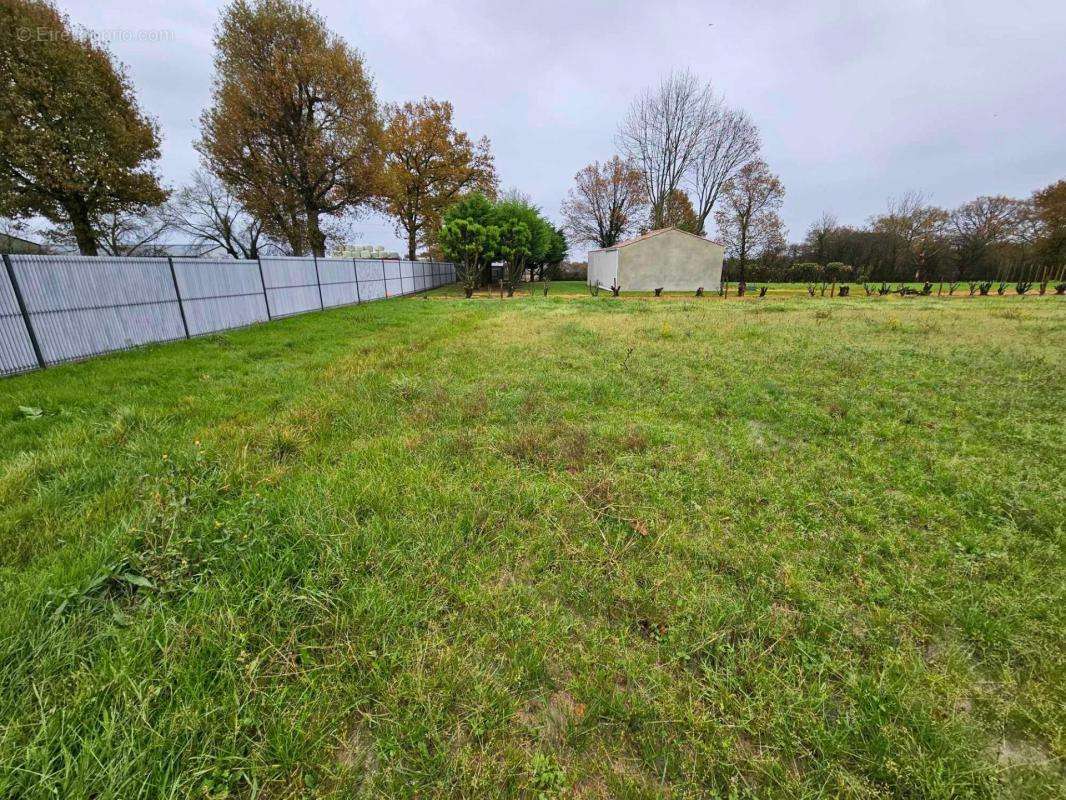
x,y
856,101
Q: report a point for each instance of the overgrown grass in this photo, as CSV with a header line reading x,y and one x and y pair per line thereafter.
x,y
566,547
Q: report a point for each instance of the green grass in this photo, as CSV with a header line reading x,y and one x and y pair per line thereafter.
x,y
573,547
775,291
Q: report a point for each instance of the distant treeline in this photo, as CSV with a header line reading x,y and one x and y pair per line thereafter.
x,y
988,239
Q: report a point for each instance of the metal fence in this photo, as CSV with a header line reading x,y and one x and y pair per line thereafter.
x,y
55,309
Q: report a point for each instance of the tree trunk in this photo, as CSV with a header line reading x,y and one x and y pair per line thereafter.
x,y
315,239
742,257
84,234
412,244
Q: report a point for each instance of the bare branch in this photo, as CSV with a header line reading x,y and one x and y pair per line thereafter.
x,y
662,134
728,141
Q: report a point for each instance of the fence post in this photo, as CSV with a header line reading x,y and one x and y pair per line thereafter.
x,y
262,280
25,314
177,294
385,282
355,274
318,282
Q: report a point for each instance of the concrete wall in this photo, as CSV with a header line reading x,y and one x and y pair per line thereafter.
x,y
603,267
674,260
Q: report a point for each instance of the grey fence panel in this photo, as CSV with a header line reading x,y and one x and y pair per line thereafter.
x,y
407,282
82,306
371,279
291,285
16,349
221,294
393,282
338,282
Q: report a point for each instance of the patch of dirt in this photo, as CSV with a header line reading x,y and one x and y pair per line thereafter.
x,y
552,718
1017,753
508,575
755,432
560,710
355,751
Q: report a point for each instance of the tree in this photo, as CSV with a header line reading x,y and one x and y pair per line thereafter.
x,y
207,211
119,233
468,244
662,136
428,163
526,240
556,251
980,227
749,220
1048,209
293,129
819,239
520,209
605,203
681,133
917,230
515,247
679,213
476,208
728,140
74,145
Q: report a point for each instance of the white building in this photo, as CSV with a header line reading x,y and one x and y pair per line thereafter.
x,y
668,258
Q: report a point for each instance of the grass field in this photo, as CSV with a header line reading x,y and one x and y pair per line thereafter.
x,y
562,547
775,291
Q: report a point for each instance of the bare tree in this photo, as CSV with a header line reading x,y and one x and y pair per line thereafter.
x,y
918,226
206,211
749,223
681,133
662,135
728,140
981,229
819,237
119,233
604,205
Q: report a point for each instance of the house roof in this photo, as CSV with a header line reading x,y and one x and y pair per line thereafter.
x,y
650,234
9,243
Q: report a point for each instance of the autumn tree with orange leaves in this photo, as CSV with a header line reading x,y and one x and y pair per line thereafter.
x,y
75,147
429,164
606,203
293,130
748,222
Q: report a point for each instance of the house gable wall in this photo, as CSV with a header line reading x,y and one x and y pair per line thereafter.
x,y
674,260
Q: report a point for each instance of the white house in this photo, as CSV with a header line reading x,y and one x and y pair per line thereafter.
x,y
668,258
